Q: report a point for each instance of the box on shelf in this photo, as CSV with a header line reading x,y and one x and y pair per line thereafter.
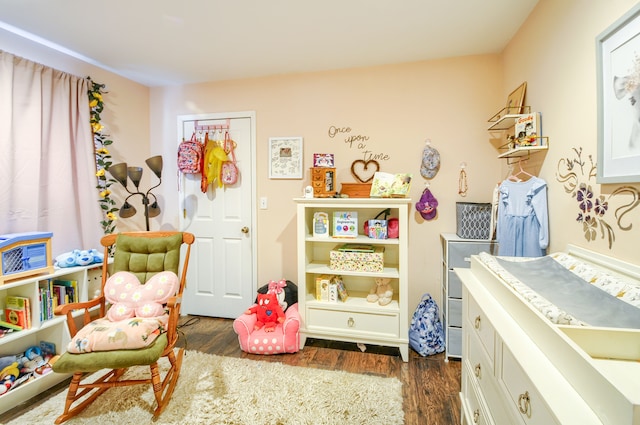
x,y
473,220
25,254
322,287
357,261
345,224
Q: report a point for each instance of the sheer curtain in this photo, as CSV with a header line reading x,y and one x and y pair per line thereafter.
x,y
47,162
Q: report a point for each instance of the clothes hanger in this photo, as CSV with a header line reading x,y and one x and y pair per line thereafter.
x,y
515,177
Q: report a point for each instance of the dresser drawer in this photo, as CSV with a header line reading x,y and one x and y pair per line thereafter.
x,y
460,253
480,325
524,398
455,284
378,324
472,406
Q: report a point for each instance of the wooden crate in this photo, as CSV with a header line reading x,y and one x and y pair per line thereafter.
x,y
356,190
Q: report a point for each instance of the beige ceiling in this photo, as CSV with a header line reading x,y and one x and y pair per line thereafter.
x,y
165,42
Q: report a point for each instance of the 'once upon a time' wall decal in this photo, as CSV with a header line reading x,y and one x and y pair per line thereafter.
x,y
357,141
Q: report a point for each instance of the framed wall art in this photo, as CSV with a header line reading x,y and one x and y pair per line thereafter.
x,y
515,101
285,157
618,78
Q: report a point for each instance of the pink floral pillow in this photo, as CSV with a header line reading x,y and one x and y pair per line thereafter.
x,y
129,298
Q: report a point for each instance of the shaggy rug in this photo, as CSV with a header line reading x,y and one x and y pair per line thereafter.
x,y
224,390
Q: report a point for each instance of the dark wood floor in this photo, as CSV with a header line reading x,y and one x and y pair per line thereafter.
x,y
430,385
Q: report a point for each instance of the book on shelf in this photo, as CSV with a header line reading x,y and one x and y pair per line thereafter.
x,y
18,311
527,130
68,290
356,247
7,328
47,306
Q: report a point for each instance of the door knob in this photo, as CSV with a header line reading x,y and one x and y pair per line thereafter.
x,y
245,229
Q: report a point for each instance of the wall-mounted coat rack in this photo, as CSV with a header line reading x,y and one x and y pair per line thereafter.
x,y
212,127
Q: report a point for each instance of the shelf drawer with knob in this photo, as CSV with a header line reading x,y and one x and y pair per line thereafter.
x,y
330,318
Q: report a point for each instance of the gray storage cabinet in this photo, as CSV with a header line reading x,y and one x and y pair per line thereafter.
x,y
457,252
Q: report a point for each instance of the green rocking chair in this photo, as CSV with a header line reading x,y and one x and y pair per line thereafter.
x,y
144,254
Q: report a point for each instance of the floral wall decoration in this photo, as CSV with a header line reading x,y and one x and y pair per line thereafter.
x,y
594,211
103,158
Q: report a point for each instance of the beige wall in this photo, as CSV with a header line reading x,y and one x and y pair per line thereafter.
x,y
554,52
396,106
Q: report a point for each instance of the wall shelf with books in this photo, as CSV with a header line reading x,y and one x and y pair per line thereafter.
x,y
38,323
521,133
505,118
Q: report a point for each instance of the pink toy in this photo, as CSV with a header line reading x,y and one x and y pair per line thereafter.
x,y
268,312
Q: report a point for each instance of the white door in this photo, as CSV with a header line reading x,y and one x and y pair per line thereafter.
x,y
222,268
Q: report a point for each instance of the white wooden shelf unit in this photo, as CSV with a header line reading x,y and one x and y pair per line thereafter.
x,y
355,320
53,330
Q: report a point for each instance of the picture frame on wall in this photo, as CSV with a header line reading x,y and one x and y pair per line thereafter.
x,y
285,157
618,79
515,100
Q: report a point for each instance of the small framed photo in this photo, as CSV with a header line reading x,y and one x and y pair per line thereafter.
x,y
285,157
618,78
515,101
323,160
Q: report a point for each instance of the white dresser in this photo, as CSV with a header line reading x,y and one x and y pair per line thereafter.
x,y
519,368
456,252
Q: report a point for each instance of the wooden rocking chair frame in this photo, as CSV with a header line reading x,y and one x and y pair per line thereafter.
x,y
81,395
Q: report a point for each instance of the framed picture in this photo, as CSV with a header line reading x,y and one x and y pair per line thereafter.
x,y
515,101
618,77
285,157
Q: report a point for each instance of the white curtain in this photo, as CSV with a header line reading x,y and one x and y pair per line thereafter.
x,y
47,160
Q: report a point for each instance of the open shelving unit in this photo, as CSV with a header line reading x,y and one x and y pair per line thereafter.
x,y
354,320
89,279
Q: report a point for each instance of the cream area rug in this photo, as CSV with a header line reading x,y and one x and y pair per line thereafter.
x,y
224,390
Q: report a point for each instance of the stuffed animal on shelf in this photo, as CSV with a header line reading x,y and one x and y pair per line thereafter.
x,y
382,292
268,312
79,257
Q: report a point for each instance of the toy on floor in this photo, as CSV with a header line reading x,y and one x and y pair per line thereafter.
x,y
268,312
382,292
79,257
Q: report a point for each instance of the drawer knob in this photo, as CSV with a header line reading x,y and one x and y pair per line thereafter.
x,y
477,322
476,416
524,404
478,371
351,322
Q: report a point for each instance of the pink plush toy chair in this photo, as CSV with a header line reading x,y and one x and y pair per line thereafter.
x,y
284,339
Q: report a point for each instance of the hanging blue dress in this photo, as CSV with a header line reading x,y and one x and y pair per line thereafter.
x,y
523,224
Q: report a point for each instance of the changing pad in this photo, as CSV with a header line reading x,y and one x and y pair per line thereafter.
x,y
570,292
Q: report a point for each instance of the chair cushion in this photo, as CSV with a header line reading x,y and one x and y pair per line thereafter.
x,y
106,335
116,359
145,257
